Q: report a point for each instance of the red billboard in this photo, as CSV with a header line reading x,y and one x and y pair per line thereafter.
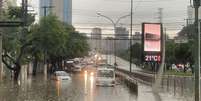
x,y
152,36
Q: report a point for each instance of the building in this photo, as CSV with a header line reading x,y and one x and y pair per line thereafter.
x,y
122,38
96,33
45,7
121,33
95,39
61,8
137,36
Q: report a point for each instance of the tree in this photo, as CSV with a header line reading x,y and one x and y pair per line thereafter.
x,y
179,52
170,52
136,53
15,42
188,31
57,41
50,41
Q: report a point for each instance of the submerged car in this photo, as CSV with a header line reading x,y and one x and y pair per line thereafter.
x,y
61,75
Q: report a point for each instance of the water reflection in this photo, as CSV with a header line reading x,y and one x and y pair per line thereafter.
x,y
91,88
58,87
85,86
81,88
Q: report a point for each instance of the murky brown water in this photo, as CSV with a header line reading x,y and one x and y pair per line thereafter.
x,y
80,88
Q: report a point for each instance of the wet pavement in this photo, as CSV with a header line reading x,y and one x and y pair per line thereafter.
x,y
80,88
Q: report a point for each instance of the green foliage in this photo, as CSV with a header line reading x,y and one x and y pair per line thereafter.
x,y
188,31
170,52
50,38
175,73
15,37
49,35
179,53
57,39
77,45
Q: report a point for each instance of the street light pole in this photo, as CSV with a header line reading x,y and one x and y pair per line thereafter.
x,y
115,23
131,35
196,4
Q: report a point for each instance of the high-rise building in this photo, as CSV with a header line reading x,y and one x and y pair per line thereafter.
x,y
96,42
61,8
121,33
122,38
96,33
45,7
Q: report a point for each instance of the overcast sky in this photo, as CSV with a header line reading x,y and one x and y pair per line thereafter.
x,y
174,12
84,12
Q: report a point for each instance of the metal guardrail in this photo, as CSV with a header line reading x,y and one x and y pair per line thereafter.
x,y
137,76
132,83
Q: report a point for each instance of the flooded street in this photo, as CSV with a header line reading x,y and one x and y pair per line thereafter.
x,y
80,88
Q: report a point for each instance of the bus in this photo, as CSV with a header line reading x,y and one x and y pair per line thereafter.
x,y
105,76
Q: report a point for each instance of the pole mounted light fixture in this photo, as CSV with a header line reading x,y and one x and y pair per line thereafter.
x,y
115,23
196,4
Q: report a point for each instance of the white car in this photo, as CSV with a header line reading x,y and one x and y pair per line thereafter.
x,y
61,75
77,68
105,77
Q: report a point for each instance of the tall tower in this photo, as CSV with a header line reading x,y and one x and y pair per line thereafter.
x,y
160,15
122,36
42,5
63,10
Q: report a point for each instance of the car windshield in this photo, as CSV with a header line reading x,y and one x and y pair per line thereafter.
x,y
105,73
61,74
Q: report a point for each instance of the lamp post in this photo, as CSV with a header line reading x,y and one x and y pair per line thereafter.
x,y
196,4
114,23
131,36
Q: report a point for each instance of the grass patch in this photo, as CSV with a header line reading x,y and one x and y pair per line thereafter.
x,y
176,73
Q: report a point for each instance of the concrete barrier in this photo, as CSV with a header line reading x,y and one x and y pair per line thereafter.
x,y
129,81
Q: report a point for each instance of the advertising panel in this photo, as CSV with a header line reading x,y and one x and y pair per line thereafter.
x,y
152,41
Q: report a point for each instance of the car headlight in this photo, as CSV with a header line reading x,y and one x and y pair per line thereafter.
x,y
91,73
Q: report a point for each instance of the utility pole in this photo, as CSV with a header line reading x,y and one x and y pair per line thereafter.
x,y
131,36
196,4
160,20
160,15
115,23
24,12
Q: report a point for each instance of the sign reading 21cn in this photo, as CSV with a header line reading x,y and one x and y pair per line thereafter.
x,y
152,41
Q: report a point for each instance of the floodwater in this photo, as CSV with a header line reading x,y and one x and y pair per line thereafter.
x,y
80,88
